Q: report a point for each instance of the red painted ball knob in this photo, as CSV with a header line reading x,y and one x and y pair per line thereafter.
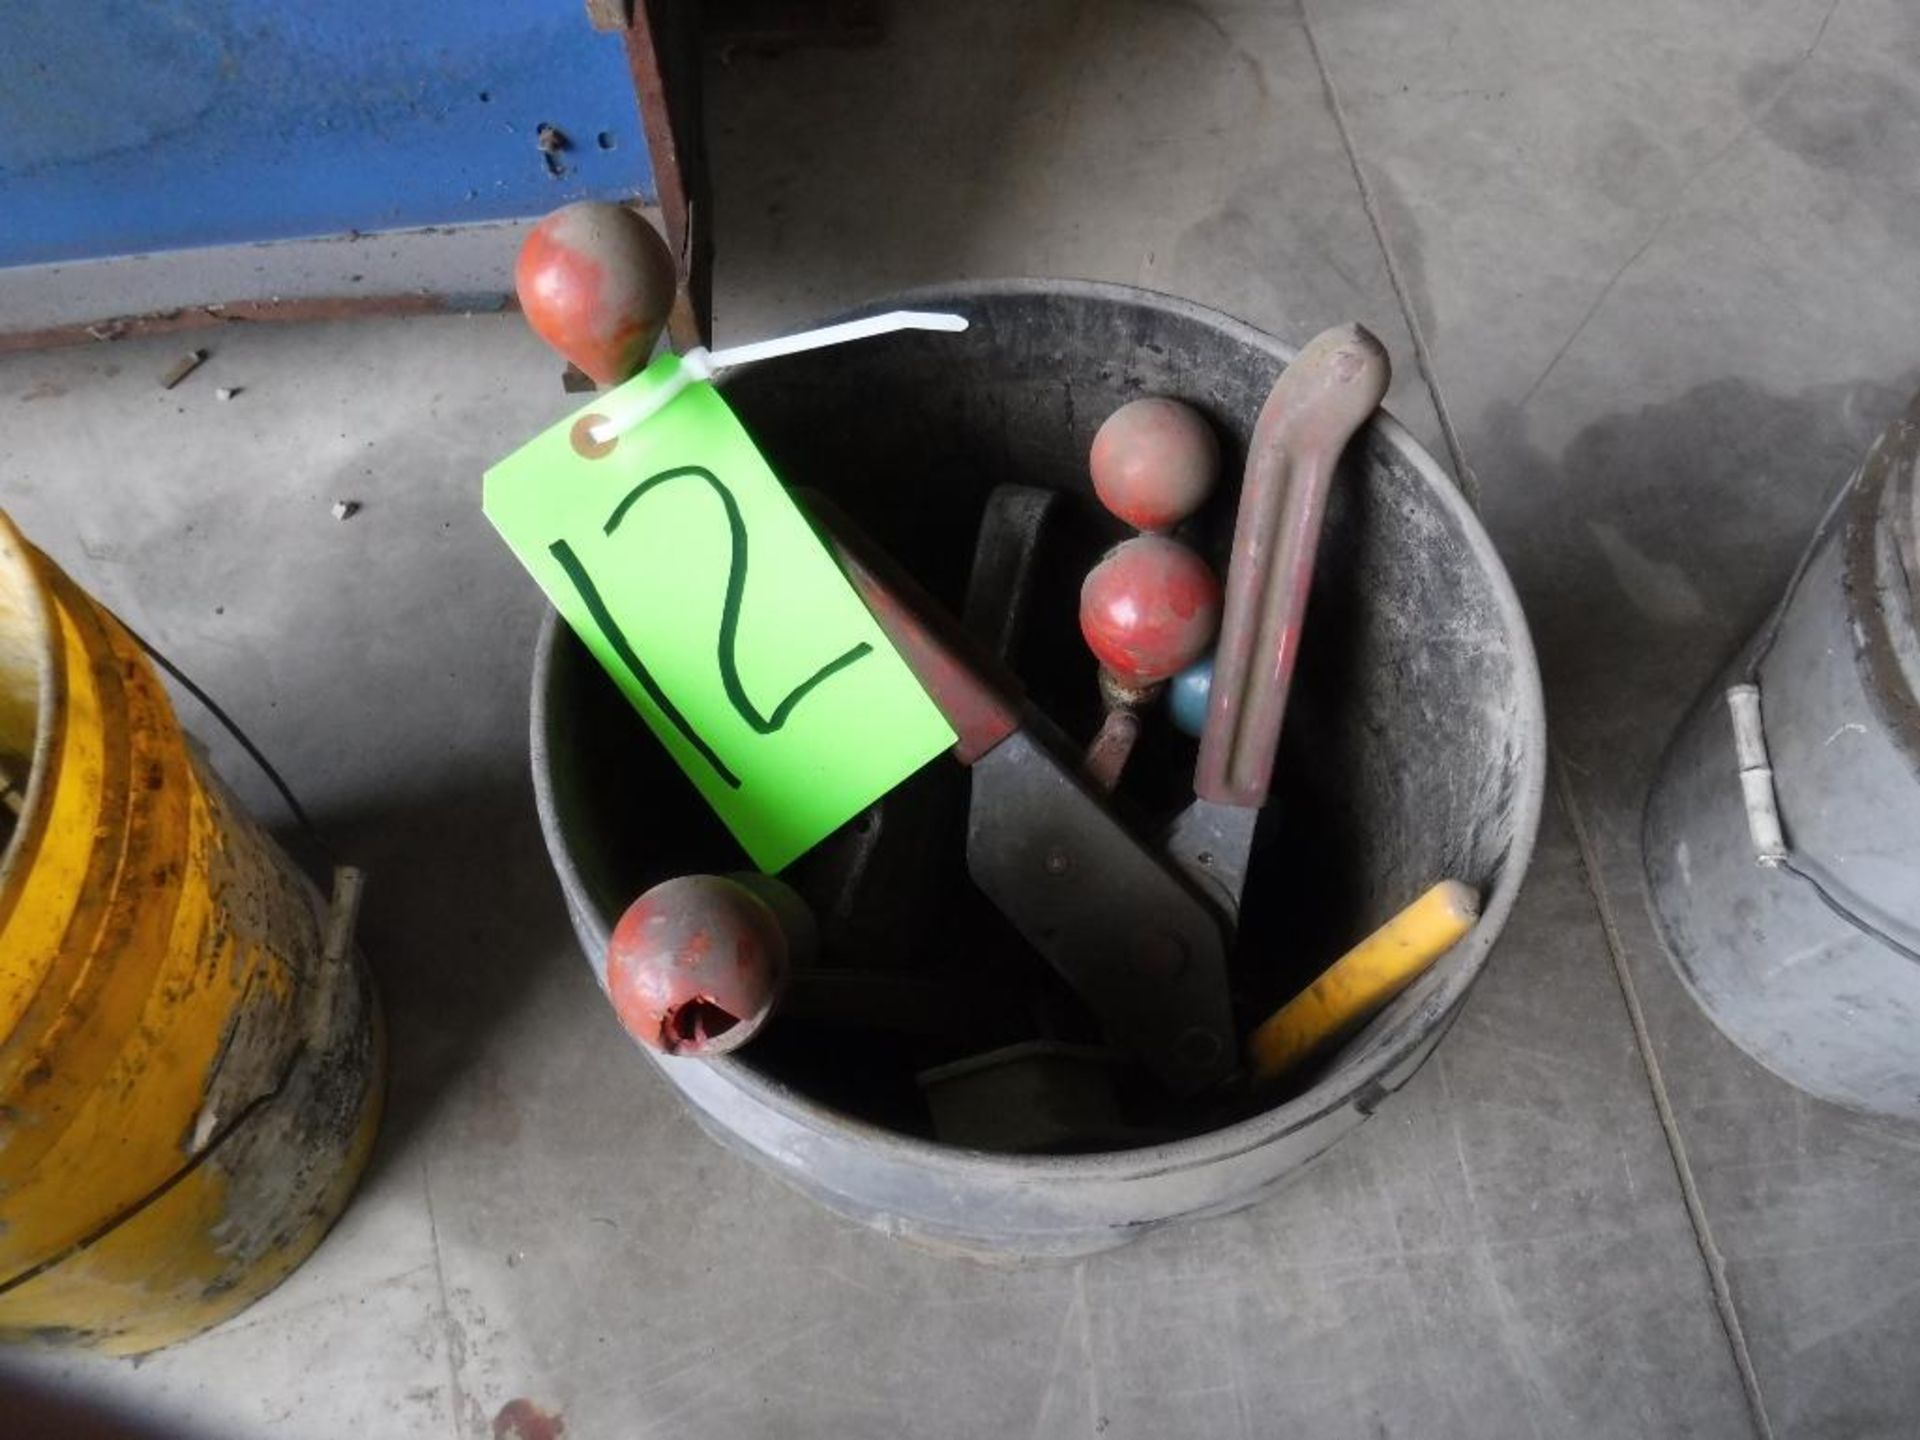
x,y
596,283
1154,462
1149,609
696,965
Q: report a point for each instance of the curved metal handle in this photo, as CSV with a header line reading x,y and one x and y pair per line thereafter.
x,y
1329,391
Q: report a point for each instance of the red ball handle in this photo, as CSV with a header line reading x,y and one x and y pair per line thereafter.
x,y
1149,610
596,283
1154,462
696,965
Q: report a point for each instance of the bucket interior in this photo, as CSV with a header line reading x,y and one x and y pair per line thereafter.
x,y
26,680
1405,740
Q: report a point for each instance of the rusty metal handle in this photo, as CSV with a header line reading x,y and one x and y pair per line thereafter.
x,y
982,711
1333,385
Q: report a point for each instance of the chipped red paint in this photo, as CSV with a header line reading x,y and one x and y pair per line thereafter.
x,y
1321,399
981,716
696,965
523,1420
596,283
1154,462
1149,609
1106,758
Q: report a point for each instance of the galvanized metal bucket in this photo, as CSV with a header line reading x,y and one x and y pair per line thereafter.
x,y
1783,830
1415,747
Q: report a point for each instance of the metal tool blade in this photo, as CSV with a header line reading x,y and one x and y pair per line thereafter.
x,y
1141,948
1212,844
1143,951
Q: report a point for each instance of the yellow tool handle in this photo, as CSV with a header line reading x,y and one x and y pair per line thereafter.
x,y
1364,979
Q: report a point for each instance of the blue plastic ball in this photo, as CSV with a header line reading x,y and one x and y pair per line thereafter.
x,y
1187,697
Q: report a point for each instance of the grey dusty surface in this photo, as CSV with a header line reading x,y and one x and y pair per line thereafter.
x,y
1647,269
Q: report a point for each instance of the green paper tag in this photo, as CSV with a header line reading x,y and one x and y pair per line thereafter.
x,y
686,568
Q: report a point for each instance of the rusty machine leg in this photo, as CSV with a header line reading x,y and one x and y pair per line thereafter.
x,y
664,53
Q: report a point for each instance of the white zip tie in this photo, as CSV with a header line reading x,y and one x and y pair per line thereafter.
x,y
697,364
618,419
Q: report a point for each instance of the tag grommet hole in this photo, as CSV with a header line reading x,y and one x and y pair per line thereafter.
x,y
584,445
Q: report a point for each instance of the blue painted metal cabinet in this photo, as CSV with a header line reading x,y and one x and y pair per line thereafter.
x,y
144,125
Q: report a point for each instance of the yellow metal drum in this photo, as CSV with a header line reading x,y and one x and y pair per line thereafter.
x,y
189,1080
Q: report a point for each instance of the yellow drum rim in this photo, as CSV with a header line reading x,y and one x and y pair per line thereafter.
x,y
20,572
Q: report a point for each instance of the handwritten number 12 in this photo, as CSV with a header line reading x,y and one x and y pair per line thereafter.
x,y
725,660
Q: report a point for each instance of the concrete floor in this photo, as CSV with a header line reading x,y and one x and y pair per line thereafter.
x,y
1647,270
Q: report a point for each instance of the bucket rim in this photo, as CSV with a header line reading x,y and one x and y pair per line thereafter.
x,y
22,564
1383,1046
